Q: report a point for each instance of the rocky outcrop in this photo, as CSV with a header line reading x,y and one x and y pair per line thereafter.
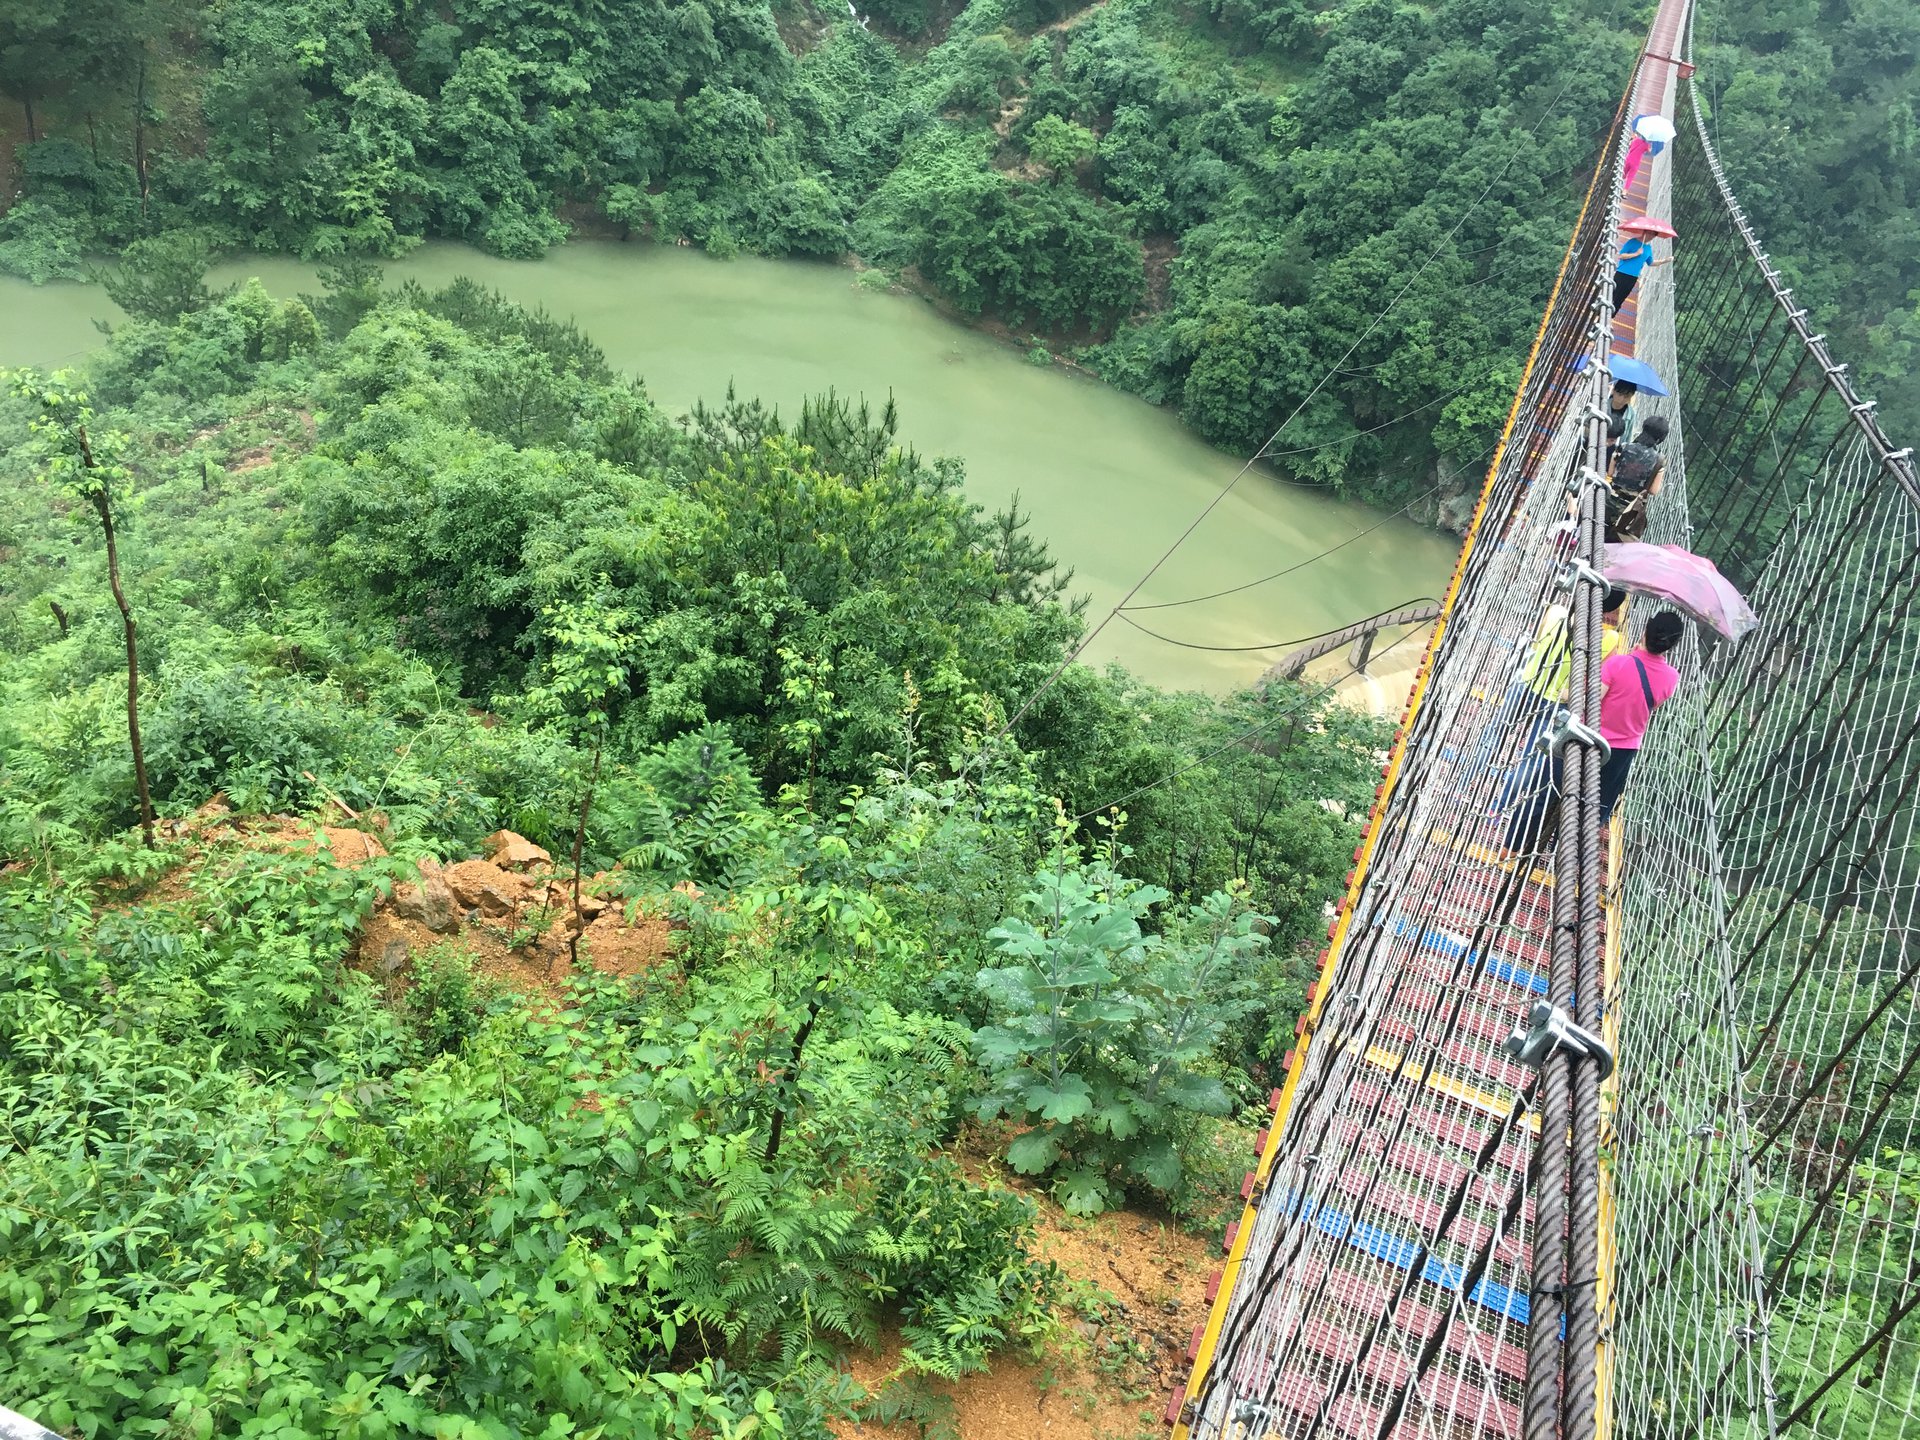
x,y
352,848
480,885
430,903
515,852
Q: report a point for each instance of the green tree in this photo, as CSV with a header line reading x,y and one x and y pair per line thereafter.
x,y
1060,145
88,469
162,277
587,673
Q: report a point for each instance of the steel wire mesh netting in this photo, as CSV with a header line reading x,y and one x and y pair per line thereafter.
x,y
1385,1281
1766,1177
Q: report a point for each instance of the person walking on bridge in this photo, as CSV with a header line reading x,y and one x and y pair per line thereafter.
x,y
1620,411
1541,689
1634,477
1632,687
1635,256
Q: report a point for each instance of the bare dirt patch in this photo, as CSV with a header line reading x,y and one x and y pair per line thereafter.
x,y
1159,252
1136,1290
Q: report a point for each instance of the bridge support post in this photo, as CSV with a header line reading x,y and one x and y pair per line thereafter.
x,y
1362,652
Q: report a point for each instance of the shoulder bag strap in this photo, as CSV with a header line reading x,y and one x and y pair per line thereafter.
x,y
1645,688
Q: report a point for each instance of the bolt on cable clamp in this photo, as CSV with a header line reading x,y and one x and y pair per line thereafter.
x,y
1553,1029
1565,730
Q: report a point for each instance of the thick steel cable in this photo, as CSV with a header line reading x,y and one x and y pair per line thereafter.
x,y
1508,486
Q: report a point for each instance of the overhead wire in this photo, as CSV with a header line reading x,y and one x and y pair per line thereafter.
x,y
1315,558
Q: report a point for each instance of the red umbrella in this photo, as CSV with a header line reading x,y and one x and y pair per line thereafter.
x,y
1649,225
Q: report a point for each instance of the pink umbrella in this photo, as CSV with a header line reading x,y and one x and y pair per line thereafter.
x,y
1649,225
1689,581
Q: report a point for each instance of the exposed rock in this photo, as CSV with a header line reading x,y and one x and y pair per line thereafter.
x,y
430,903
477,885
352,848
383,946
1456,511
215,808
394,953
560,894
515,852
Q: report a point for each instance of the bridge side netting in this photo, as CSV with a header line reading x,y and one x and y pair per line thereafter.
x,y
1766,1165
1389,1282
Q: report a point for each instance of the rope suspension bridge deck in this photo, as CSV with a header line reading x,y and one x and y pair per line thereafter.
x,y
1442,1239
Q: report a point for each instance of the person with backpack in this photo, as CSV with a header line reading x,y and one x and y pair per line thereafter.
x,y
1632,687
1633,478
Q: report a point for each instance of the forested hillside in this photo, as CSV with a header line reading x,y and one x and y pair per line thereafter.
x,y
1218,198
421,567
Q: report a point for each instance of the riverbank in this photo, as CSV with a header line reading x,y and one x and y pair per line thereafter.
x,y
1106,479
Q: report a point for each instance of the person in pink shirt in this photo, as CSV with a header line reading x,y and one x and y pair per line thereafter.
x,y
1632,687
1633,684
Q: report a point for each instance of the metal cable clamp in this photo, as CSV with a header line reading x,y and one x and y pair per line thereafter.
x,y
1586,476
1553,1029
1577,570
1566,730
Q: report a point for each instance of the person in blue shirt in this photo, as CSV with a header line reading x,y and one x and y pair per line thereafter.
x,y
1635,256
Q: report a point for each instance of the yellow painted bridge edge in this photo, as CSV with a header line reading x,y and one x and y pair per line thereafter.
x,y
1243,1229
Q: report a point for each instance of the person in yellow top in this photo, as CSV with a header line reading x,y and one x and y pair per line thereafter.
x,y
1549,669
1542,686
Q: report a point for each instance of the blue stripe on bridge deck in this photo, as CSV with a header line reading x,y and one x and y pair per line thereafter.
x,y
1453,947
1400,1253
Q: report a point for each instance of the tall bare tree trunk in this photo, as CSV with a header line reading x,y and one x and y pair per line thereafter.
x,y
140,136
26,103
103,506
579,844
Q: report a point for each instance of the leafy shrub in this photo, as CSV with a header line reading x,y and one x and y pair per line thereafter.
x,y
444,1005
1104,1032
162,277
222,731
41,244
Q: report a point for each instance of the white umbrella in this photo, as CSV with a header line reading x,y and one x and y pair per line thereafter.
x,y
1655,129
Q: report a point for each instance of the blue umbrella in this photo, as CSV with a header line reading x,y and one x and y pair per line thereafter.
x,y
1625,367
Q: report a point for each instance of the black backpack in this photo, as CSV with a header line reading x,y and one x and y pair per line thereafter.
x,y
1634,467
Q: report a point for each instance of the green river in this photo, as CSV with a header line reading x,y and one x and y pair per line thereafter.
x,y
1109,480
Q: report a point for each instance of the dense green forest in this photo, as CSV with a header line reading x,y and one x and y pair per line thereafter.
x,y
424,561
1216,200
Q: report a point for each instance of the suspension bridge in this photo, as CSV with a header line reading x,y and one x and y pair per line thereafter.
x,y
1614,1137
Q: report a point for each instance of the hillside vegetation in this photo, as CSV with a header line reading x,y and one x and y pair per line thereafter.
x,y
1219,199
1216,199
418,565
